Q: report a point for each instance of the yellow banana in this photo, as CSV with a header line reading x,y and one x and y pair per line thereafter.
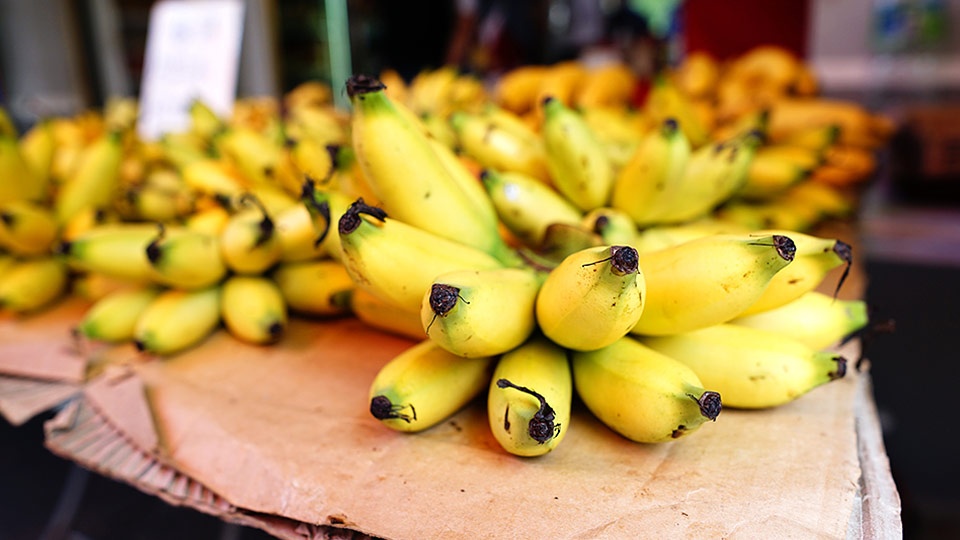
x,y
560,240
424,385
249,243
32,284
210,219
384,316
592,298
7,127
28,228
662,236
817,138
618,129
185,259
397,261
178,319
708,280
529,399
409,178
253,309
665,100
213,177
561,82
641,394
481,312
253,153
319,287
751,368
771,173
297,234
325,208
204,121
815,319
613,225
115,249
518,88
17,180
577,161
182,149
37,147
814,258
697,74
95,180
790,115
647,180
500,142
113,317
527,206
468,182
612,83
313,158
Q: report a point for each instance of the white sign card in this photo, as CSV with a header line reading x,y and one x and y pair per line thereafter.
x,y
192,52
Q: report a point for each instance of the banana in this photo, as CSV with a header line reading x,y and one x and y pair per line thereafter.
x,y
577,161
213,177
210,219
592,298
560,240
817,138
30,285
113,317
527,206
384,316
751,368
517,90
397,261
424,385
7,127
663,236
609,84
708,280
204,121
313,158
619,129
409,178
665,101
641,394
325,208
529,399
37,148
697,74
814,258
319,287
647,179
249,243
613,225
17,180
185,259
178,319
28,228
252,152
815,319
297,235
499,140
771,173
467,181
94,181
481,312
115,249
789,115
562,82
253,309
182,149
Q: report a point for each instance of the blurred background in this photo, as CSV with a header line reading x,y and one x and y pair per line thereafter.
x,y
898,57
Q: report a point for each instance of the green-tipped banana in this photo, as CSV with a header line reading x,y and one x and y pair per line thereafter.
x,y
30,285
113,318
528,403
526,206
115,249
708,280
319,287
424,385
408,177
253,309
95,179
186,259
249,243
751,368
27,228
578,162
653,172
641,394
612,225
815,319
592,298
397,261
177,320
481,312
814,259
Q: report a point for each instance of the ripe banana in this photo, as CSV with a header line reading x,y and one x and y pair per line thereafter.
x,y
610,84
529,399
30,285
249,243
665,100
425,384
114,249
481,312
325,208
213,177
320,287
113,317
592,298
409,178
178,319
384,316
28,228
253,309
641,394
815,319
814,258
560,240
185,259
294,228
770,173
397,261
612,225
708,280
17,180
96,177
500,141
577,161
37,148
527,206
751,368
662,236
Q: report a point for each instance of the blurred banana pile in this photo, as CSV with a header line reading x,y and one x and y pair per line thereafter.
x,y
548,236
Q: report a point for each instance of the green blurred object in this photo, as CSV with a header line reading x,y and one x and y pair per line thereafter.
x,y
658,13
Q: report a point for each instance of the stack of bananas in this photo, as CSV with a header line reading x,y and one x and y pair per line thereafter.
x,y
540,240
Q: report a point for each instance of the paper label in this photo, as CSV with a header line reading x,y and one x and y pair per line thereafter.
x,y
192,52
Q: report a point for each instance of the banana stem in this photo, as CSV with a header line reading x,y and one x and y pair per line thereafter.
x,y
382,409
709,403
541,427
623,260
